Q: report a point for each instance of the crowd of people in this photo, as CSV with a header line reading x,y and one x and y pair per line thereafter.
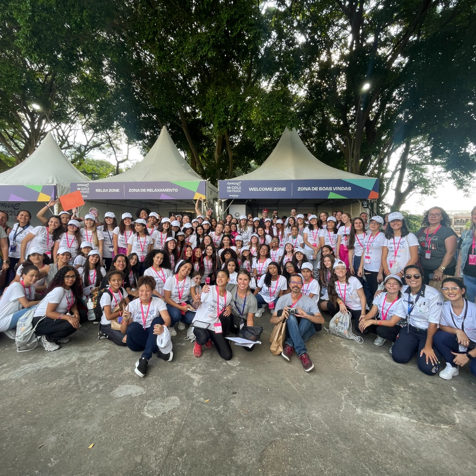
x,y
142,279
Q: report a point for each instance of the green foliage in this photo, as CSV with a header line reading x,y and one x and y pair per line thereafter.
x,y
413,221
96,169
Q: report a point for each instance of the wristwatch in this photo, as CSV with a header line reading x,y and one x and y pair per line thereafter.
x,y
470,357
442,268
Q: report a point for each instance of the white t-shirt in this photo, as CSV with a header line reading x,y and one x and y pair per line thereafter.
x,y
233,278
160,277
387,309
216,238
87,287
271,293
108,244
209,310
451,319
296,242
113,301
312,287
261,267
179,290
79,261
88,235
344,232
144,314
359,244
191,240
276,254
42,240
423,308
265,240
348,293
63,297
16,236
373,251
140,245
312,237
399,251
71,243
330,238
9,302
159,240
124,238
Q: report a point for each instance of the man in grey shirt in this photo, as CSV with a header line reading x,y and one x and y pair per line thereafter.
x,y
301,313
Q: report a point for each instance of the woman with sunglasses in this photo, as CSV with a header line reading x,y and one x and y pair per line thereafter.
x,y
423,305
456,337
57,315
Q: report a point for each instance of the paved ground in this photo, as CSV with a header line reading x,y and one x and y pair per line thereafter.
x,y
357,413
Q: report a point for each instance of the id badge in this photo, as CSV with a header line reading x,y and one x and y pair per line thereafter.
x,y
111,249
13,248
462,348
427,254
367,259
393,264
271,305
472,260
48,253
218,329
141,258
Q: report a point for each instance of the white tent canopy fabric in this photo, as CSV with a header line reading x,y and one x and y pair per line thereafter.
x,y
46,166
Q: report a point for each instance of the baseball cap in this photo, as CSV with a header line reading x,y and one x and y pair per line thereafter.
x,y
378,219
141,221
109,215
89,217
126,215
63,250
393,276
64,212
395,216
165,220
74,222
339,262
35,250
94,252
175,223
334,219
153,214
307,266
86,244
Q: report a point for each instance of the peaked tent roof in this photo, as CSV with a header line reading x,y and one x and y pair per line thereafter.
x,y
162,163
46,166
291,160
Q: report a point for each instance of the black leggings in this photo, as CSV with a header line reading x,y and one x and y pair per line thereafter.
x,y
53,329
389,333
222,344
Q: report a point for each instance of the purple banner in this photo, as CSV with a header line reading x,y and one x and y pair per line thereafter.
x,y
27,193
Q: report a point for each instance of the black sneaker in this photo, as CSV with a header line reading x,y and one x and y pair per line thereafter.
x,y
167,357
141,367
101,335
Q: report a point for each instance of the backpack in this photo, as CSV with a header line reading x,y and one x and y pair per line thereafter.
x,y
25,338
97,304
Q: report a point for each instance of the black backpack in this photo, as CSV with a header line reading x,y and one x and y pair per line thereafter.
x,y
97,305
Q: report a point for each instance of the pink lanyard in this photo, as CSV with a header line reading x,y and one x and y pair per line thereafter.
x,y
208,263
260,268
159,276
180,294
142,246
371,241
294,242
295,302
253,251
116,302
216,241
474,243
127,237
247,265
218,302
87,236
271,294
144,319
286,259
69,304
72,241
360,243
262,240
340,291
385,314
27,293
345,233
94,279
314,236
428,242
162,239
395,251
305,291
330,239
274,256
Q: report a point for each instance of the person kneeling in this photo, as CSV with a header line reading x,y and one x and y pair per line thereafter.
x,y
303,320
143,320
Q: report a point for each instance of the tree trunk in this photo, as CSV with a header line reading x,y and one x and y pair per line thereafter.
x,y
218,151
196,164
230,155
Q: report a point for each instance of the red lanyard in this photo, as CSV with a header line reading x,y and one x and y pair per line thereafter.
x,y
72,241
340,291
305,291
385,314
144,318
428,242
271,294
69,304
395,251
371,241
218,302
27,293
295,302
162,272
127,237
180,294
474,243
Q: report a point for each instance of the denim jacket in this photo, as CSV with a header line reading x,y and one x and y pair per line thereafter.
x,y
466,245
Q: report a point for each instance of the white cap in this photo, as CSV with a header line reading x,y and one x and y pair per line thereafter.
x,y
255,219
74,222
267,219
94,252
180,233
89,217
311,217
63,250
153,214
175,223
279,221
165,220
306,266
64,212
339,262
238,238
205,222
393,276
298,249
199,216
126,215
170,238
300,215
35,250
141,221
254,234
194,220
334,219
378,219
245,248
395,216
86,244
188,225
109,215
243,217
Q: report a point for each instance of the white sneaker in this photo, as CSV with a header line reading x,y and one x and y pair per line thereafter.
x,y
259,312
172,331
391,349
11,333
380,341
181,326
449,372
64,340
49,346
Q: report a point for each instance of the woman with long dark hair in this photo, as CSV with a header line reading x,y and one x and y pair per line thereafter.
x,y
42,237
122,233
356,245
140,242
57,315
92,273
157,265
270,287
110,224
71,240
328,236
19,232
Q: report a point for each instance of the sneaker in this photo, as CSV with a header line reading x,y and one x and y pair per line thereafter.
x,y
11,333
209,344
141,367
259,312
64,340
96,323
287,352
449,372
181,326
306,362
102,335
391,349
197,350
167,357
172,331
379,341
49,346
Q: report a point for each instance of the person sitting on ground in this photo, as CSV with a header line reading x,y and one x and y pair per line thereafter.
x,y
456,338
92,273
212,320
326,267
301,312
57,315
113,297
423,305
270,288
17,299
158,266
143,320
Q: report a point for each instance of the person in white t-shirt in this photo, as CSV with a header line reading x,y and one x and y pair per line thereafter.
x,y
110,224
122,233
158,266
140,242
145,321
328,235
91,234
343,234
92,273
57,316
346,295
270,288
17,299
401,247
212,320
312,241
310,286
42,237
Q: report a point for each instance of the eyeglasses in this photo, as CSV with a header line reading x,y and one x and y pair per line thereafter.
x,y
434,215
410,276
295,282
70,276
453,288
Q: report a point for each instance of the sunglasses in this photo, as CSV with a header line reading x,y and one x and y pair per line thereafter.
x,y
453,288
410,276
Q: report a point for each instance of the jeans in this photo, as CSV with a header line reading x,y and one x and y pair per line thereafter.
x,y
113,335
262,302
470,284
370,286
356,264
176,315
297,333
16,317
410,341
140,339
